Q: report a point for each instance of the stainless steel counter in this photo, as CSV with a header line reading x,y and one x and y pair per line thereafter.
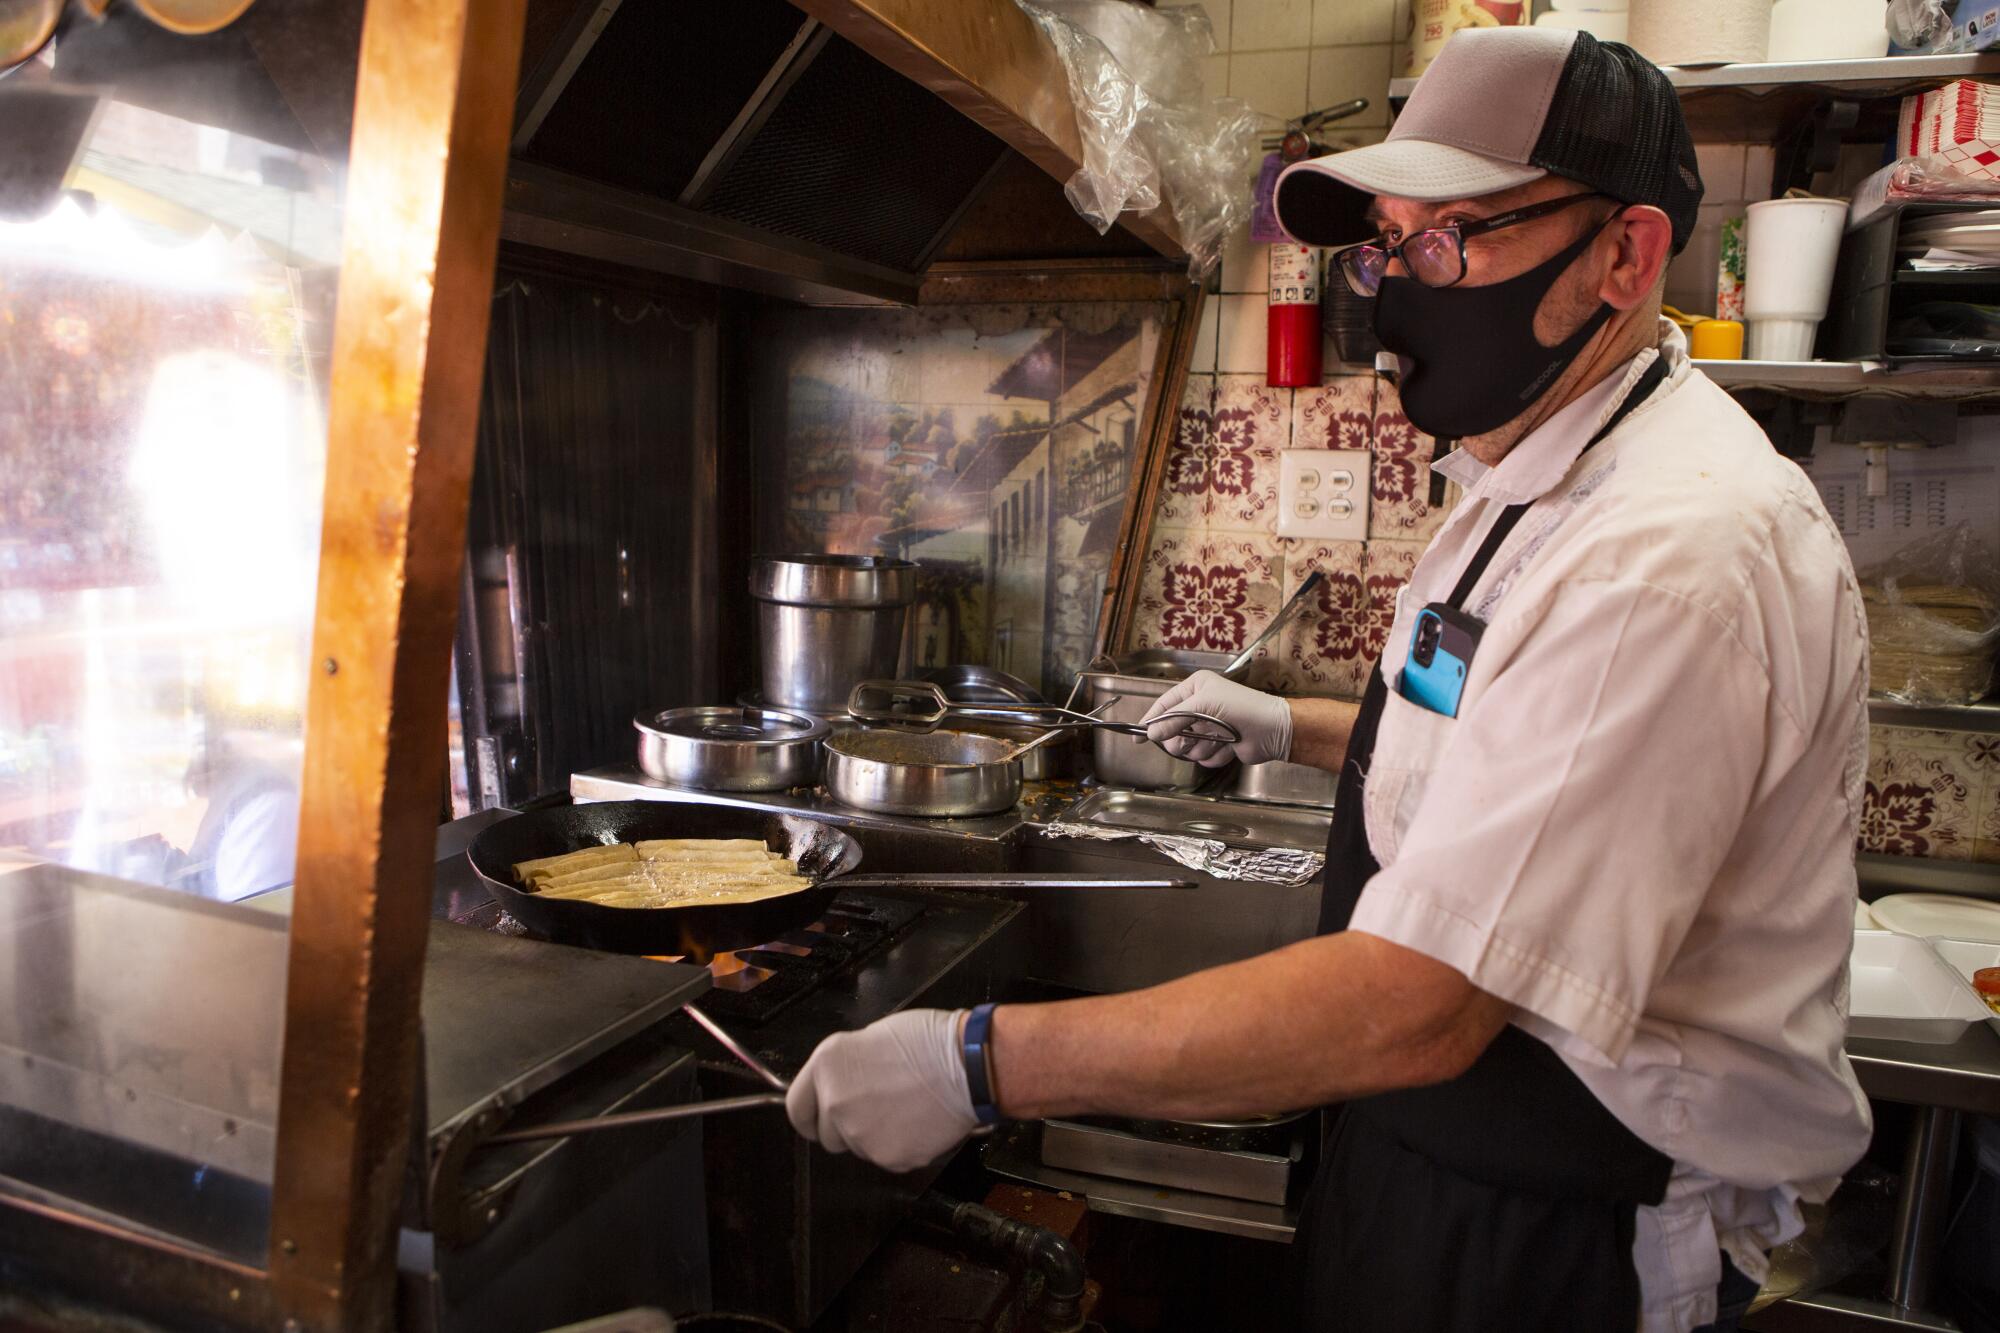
x,y
1963,1075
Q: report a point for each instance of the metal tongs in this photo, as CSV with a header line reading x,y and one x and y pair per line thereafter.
x,y
683,1111
903,703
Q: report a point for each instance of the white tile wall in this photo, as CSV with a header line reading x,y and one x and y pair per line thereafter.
x,y
1219,18
1274,82
1339,73
1271,25
1351,22
1242,335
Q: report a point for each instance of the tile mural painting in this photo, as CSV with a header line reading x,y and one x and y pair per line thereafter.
x,y
993,445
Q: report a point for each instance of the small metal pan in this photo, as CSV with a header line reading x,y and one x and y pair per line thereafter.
x,y
821,852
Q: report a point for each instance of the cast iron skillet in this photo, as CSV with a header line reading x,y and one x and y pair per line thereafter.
x,y
821,852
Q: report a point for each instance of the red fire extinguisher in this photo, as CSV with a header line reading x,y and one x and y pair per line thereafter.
x,y
1293,357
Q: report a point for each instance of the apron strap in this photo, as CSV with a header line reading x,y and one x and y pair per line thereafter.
x,y
1649,380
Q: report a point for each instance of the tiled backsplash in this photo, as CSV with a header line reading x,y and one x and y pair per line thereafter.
x,y
1933,793
1217,570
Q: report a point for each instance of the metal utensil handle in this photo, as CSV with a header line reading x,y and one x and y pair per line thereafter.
x,y
1008,880
1291,608
735,1048
861,705
1227,734
562,1129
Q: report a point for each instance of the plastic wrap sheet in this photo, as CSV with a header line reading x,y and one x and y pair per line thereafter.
x,y
1922,179
1933,620
1268,865
1150,132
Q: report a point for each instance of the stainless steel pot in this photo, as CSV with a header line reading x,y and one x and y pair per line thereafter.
x,y
826,621
931,774
1124,688
727,748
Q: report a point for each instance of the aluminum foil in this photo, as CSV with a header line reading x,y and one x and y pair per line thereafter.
x,y
1266,865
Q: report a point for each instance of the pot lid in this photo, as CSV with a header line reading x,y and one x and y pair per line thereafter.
x,y
730,724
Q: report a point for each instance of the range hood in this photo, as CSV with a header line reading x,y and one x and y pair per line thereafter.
x,y
823,151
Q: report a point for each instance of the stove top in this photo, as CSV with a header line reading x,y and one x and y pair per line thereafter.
x,y
870,954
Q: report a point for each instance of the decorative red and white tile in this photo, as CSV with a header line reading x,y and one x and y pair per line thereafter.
x,y
1340,414
1253,422
1184,488
1321,652
1987,847
1981,767
1400,504
1917,801
1210,592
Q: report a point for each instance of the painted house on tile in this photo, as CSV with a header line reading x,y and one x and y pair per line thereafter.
x,y
1052,520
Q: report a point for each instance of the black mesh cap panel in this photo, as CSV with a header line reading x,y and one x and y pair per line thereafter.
x,y
1615,125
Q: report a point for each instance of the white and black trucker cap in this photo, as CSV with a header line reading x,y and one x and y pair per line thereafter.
x,y
1500,107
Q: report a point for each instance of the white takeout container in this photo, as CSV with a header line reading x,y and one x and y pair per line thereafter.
x,y
1901,987
1966,957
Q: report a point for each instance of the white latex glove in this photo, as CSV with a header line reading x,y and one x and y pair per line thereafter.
x,y
893,1092
1264,720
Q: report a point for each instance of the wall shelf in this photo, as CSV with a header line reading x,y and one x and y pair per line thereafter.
x,y
1863,78
1849,379
1760,103
1983,716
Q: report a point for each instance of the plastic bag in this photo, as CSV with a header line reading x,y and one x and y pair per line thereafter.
x,y
1919,26
1923,178
1933,620
1149,131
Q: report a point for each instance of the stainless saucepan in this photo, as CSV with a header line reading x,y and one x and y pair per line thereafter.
x,y
930,774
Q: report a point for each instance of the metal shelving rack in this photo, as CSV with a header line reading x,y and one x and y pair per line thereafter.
x,y
1852,78
1846,379
1982,717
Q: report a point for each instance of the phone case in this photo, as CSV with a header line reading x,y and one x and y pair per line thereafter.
x,y
1441,647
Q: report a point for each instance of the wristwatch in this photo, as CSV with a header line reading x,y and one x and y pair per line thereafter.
x,y
976,1046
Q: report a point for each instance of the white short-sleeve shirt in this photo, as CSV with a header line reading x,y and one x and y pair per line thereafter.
x,y
1639,830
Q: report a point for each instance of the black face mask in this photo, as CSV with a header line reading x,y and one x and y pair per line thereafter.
x,y
1471,362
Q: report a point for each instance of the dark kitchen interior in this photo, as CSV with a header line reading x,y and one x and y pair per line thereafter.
x,y
800,370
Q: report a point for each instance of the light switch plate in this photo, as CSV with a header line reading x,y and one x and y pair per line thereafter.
x,y
1323,494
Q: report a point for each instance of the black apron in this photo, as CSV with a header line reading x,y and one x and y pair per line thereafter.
x,y
1504,1199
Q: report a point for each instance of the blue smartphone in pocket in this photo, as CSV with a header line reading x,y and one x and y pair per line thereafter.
x,y
1441,648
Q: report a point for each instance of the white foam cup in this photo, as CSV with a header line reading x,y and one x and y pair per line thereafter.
x,y
1790,249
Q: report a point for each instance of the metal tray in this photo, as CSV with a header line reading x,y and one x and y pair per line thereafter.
x,y
1261,1174
1233,823
1280,783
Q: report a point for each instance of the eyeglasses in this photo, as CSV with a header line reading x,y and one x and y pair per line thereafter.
x,y
1435,256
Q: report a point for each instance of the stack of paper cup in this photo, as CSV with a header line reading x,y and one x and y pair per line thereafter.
x,y
1790,247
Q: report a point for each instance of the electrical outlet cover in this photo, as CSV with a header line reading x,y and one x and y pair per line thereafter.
x,y
1323,494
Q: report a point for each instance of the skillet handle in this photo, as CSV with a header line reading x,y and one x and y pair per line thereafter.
x,y
1003,880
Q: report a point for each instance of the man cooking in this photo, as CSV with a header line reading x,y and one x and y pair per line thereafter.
x,y
1581,979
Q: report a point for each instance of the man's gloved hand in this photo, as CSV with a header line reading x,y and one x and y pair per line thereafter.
x,y
1264,720
893,1092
